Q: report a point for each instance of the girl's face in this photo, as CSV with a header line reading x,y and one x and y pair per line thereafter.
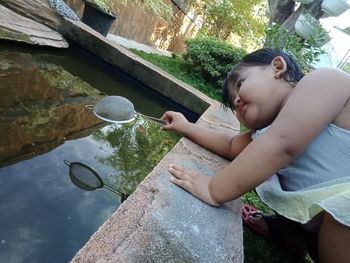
x,y
258,95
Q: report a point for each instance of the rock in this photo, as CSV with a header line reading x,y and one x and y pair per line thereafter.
x,y
38,10
19,28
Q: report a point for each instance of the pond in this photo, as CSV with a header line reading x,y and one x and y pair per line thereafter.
x,y
44,216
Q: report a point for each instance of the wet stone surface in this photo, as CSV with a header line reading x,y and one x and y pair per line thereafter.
x,y
18,28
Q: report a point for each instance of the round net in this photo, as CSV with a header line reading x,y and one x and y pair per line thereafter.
x,y
115,108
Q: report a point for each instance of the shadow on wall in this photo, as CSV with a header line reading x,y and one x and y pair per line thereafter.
x,y
145,27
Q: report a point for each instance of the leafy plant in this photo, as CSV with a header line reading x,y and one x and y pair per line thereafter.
x,y
160,8
106,5
310,28
237,21
303,51
157,6
346,67
320,37
212,58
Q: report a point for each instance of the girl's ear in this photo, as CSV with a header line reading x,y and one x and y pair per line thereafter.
x,y
280,66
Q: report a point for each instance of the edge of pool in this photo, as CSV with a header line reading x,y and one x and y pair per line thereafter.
x,y
160,222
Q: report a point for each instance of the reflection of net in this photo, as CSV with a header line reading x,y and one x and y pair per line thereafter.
x,y
84,178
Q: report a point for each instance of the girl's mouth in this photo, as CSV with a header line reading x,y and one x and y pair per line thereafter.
x,y
241,107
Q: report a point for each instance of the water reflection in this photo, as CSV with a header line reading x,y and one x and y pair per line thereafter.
x,y
41,105
88,179
44,217
135,148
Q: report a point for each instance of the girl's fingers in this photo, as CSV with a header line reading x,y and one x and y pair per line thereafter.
x,y
193,182
182,183
168,122
178,171
182,177
167,116
165,127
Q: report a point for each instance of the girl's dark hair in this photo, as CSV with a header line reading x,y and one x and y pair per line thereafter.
x,y
261,57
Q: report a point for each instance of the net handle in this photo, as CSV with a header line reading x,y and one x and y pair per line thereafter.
x,y
155,120
110,188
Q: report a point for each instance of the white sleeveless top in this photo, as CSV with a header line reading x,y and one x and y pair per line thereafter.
x,y
318,180
326,159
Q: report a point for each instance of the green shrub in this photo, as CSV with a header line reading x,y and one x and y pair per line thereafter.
x,y
182,70
212,58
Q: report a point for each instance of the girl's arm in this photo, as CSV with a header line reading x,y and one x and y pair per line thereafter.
x,y
320,98
223,144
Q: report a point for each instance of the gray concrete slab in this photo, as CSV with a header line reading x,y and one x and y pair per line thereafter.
x,y
128,43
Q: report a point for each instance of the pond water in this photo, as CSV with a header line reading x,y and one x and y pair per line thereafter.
x,y
44,216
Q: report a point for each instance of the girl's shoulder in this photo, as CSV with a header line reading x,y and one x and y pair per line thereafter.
x,y
323,95
329,80
329,75
320,98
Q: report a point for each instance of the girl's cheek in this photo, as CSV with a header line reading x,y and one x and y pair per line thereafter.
x,y
240,119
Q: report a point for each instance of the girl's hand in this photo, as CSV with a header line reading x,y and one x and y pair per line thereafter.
x,y
175,122
193,182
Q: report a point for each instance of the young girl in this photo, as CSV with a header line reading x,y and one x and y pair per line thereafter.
x,y
297,152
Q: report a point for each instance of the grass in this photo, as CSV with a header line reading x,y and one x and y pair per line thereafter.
x,y
256,249
181,69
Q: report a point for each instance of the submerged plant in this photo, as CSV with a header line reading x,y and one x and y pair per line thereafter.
x,y
58,77
39,116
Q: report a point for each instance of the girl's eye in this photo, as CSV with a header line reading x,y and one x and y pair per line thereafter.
x,y
239,83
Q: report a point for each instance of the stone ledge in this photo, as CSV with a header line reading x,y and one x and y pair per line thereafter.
x,y
163,223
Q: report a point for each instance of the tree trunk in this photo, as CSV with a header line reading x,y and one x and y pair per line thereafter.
x,y
280,10
285,13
